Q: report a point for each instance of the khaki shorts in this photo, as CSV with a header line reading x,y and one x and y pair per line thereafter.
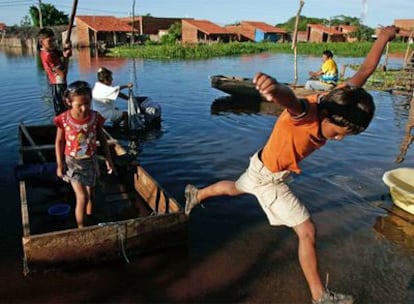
x,y
281,206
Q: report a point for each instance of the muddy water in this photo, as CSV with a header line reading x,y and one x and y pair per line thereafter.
x,y
233,255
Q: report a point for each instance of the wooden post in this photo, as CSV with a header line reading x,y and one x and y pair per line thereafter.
x,y
294,42
132,23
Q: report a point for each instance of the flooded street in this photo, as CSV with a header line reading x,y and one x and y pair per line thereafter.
x,y
233,255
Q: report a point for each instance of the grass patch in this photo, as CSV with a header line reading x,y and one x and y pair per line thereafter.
x,y
204,51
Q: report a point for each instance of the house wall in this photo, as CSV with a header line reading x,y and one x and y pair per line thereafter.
x,y
188,33
259,36
82,33
151,26
315,36
406,24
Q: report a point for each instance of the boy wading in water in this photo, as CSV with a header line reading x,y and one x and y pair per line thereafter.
x,y
304,126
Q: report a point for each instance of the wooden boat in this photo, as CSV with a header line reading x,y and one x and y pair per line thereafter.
x,y
244,87
132,213
238,105
401,184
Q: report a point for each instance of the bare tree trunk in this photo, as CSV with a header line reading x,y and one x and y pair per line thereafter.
x,y
40,15
294,41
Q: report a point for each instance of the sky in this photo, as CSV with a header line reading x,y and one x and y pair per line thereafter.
x,y
222,12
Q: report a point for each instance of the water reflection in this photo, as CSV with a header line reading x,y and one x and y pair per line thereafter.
x,y
398,227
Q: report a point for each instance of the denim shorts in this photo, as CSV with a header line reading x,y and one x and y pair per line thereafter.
x,y
84,171
280,205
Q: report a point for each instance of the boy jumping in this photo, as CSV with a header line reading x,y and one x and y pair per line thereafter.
x,y
303,127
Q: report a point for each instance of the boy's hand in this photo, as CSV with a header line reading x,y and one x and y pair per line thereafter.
x,y
266,85
67,49
130,85
109,166
389,32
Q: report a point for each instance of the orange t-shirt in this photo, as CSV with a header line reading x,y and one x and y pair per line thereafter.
x,y
293,139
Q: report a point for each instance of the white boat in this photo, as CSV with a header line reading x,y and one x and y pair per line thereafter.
x,y
401,184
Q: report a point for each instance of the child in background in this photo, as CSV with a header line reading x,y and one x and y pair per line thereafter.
x,y
303,127
328,74
55,64
77,131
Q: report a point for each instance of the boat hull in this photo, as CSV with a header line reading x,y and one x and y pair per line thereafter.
x,y
133,214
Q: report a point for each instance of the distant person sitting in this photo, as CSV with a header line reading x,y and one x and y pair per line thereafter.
x,y
104,96
328,74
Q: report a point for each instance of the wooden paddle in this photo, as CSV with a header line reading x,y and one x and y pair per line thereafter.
x,y
71,20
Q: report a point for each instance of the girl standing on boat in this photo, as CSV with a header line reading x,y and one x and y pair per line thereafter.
x,y
77,131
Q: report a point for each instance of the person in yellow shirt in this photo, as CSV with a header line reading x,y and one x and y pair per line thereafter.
x,y
328,74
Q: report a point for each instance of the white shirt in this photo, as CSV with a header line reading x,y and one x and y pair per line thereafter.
x,y
104,97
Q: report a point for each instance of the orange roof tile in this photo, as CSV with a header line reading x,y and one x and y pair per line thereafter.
x,y
348,28
106,23
326,29
207,26
264,27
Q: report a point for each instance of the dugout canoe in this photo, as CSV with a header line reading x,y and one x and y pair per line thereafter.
x,y
133,214
242,87
401,184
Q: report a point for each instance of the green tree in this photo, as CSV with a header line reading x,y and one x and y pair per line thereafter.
x,y
303,23
174,34
25,22
363,33
50,15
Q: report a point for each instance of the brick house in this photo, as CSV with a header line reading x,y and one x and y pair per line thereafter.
x,y
406,29
152,27
322,33
348,30
204,31
258,32
96,30
110,31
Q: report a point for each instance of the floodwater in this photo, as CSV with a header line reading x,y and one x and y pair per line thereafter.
x,y
233,255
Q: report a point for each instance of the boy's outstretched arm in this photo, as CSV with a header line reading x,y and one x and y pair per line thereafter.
x,y
278,93
371,60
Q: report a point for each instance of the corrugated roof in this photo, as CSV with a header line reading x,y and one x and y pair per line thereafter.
x,y
264,27
106,23
207,26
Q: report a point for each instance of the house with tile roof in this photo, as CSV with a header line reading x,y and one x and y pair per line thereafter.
x,y
151,27
95,30
322,33
406,29
110,30
204,31
258,32
348,30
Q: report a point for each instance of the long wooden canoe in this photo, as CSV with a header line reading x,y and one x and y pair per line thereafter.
x,y
132,213
244,87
